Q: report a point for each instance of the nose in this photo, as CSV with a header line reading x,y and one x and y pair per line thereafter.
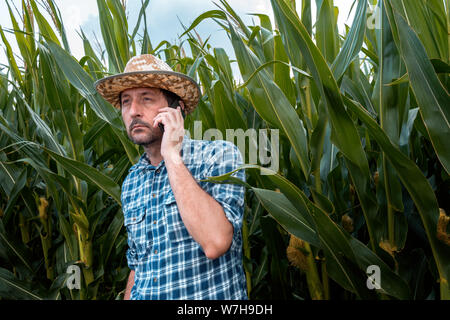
x,y
135,109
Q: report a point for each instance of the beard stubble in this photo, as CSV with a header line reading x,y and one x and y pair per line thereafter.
x,y
151,136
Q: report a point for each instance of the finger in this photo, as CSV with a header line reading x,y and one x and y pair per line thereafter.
x,y
167,109
160,118
179,114
170,111
168,119
171,116
178,117
183,108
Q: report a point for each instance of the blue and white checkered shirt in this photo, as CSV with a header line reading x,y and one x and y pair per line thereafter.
x,y
168,262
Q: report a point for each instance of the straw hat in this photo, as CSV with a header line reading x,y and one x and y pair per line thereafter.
x,y
148,71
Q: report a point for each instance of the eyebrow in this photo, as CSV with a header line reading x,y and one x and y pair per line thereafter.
x,y
147,93
141,94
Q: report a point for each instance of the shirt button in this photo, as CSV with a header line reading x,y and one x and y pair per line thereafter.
x,y
154,195
154,222
154,280
158,171
156,251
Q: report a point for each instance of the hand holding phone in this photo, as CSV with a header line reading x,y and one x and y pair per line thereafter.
x,y
174,105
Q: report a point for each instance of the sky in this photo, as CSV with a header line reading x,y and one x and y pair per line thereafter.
x,y
164,18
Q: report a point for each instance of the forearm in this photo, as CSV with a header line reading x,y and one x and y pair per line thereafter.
x,y
129,286
202,215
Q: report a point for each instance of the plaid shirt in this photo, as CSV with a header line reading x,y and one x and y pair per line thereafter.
x,y
168,263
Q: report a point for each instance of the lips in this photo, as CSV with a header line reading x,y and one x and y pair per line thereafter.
x,y
138,127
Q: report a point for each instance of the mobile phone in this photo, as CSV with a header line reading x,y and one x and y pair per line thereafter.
x,y
174,105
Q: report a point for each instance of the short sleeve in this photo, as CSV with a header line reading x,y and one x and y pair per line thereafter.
x,y
224,158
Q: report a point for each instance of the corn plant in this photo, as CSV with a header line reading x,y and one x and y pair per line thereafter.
x,y
352,112
58,160
363,165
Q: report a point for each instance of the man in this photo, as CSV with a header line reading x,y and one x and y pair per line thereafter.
x,y
184,234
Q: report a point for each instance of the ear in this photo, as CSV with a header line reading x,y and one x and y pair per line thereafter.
x,y
183,108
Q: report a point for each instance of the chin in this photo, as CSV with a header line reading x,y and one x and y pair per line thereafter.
x,y
144,140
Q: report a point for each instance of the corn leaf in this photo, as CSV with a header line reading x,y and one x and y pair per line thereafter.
x,y
270,102
89,174
431,96
344,134
416,184
11,287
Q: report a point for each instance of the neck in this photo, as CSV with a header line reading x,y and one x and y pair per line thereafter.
x,y
153,151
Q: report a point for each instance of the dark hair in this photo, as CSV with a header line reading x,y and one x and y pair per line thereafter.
x,y
169,95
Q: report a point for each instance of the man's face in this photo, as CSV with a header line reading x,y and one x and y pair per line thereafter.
x,y
139,107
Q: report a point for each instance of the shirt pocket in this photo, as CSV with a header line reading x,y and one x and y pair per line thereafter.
x,y
176,229
135,223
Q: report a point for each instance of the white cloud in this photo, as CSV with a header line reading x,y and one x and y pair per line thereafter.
x,y
75,14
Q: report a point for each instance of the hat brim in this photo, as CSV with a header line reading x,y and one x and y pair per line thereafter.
x,y
183,86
